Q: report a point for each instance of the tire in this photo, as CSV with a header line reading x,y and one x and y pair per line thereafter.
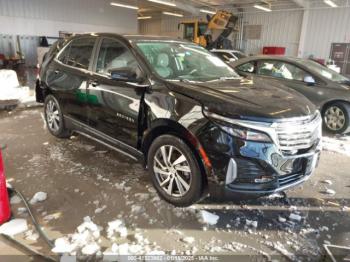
x,y
54,118
185,172
336,118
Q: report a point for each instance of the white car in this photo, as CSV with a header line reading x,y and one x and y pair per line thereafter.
x,y
228,55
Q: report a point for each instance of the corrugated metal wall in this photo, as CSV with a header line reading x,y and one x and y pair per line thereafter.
x,y
29,44
281,28
326,26
278,29
47,17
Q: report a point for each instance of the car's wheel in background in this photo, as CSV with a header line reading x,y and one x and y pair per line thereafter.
x,y
54,117
175,171
336,118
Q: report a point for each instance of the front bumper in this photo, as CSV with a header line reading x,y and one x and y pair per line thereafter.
x,y
252,169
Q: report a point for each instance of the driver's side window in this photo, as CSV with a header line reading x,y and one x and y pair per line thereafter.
x,y
247,67
114,55
280,69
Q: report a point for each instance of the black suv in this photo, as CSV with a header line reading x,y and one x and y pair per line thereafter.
x,y
198,126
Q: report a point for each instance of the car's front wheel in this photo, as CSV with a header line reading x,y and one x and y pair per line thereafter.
x,y
54,117
337,118
175,171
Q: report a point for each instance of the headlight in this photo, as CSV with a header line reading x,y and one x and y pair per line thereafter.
x,y
241,128
246,134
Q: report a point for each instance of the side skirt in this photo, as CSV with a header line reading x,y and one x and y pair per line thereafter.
x,y
103,139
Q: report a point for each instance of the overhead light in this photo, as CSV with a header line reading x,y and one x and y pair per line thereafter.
x,y
162,2
264,8
173,14
144,17
207,11
330,3
126,6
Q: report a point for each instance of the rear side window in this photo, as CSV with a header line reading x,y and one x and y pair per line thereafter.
x,y
78,53
114,55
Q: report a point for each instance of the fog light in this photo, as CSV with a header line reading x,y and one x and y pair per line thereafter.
x,y
263,179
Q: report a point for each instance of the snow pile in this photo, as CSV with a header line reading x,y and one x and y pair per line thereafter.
x,y
327,181
337,144
206,217
100,209
116,229
329,191
38,197
280,248
85,240
14,227
30,235
295,217
188,240
251,223
10,89
15,200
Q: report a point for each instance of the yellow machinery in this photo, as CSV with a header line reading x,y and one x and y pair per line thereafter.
x,y
212,33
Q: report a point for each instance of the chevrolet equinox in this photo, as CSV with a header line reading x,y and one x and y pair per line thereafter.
x,y
198,127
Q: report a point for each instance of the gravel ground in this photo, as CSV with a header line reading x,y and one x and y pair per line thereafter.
x,y
82,178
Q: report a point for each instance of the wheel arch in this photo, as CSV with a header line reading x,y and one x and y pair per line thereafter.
x,y
170,127
41,91
330,102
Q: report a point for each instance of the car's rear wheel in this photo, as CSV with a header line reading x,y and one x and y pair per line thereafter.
x,y
336,118
175,171
54,117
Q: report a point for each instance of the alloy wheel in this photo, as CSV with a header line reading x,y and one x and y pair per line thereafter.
x,y
52,116
334,118
172,171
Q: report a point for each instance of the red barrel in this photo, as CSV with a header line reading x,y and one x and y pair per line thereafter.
x,y
5,210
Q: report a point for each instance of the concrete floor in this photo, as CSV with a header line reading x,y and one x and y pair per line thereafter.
x,y
81,176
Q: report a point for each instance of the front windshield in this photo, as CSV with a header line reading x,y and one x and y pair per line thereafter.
x,y
185,62
325,72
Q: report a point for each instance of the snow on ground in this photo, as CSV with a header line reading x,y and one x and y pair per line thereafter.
x,y
14,227
10,88
38,197
339,144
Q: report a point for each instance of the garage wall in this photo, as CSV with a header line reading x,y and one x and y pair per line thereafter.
x,y
324,27
278,29
47,17
163,25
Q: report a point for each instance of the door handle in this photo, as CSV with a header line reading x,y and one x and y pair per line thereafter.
x,y
94,83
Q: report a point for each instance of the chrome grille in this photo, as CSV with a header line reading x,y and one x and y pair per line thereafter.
x,y
299,133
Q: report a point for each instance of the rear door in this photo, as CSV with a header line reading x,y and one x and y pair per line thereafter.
x,y
114,105
68,76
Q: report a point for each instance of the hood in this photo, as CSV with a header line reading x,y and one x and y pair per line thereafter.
x,y
250,98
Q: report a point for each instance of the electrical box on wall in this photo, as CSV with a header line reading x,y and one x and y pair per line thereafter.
x,y
274,50
340,53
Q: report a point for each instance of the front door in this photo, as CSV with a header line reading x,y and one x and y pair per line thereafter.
x,y
114,105
291,76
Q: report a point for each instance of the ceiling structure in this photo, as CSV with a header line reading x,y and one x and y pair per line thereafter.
x,y
193,7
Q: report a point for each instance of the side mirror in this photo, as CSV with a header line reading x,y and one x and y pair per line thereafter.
x,y
125,74
309,80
